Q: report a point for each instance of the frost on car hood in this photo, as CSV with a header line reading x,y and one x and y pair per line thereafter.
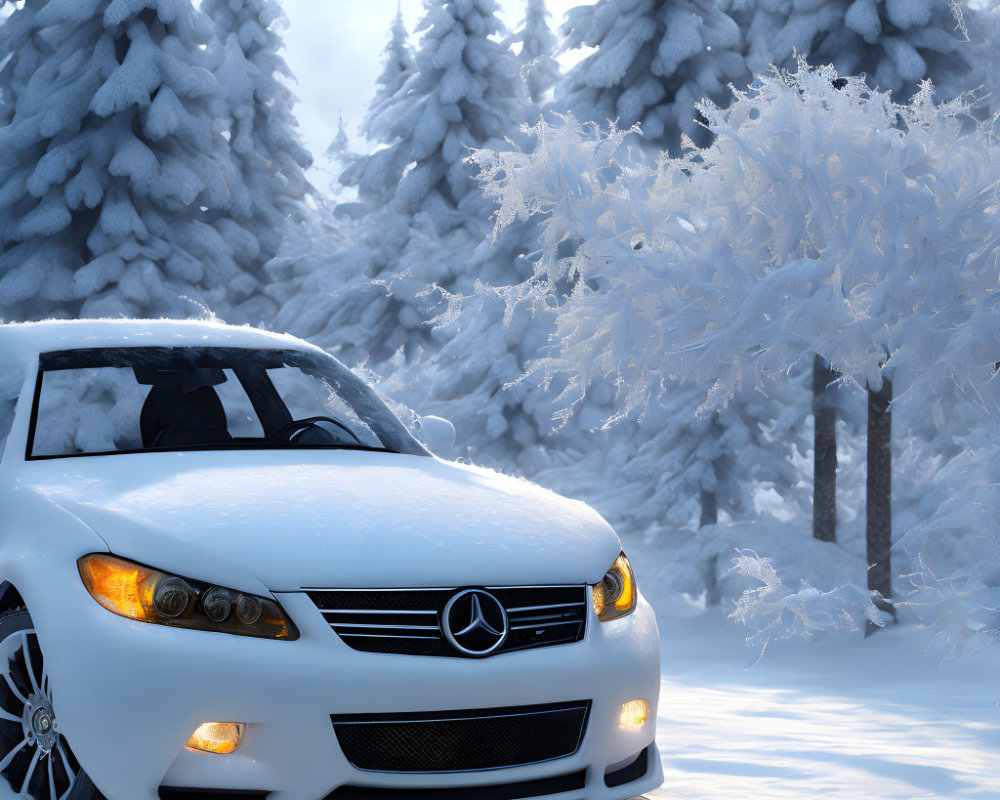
x,y
289,520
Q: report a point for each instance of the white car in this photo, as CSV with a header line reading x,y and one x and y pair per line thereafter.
x,y
229,571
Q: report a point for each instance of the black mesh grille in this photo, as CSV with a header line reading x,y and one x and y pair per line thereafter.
x,y
408,621
462,741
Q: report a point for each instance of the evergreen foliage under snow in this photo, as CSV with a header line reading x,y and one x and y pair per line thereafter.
x,y
655,60
133,178
422,223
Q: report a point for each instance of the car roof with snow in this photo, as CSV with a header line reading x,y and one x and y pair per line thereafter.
x,y
22,342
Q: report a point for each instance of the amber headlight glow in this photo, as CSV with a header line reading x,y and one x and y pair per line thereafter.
x,y
148,595
615,596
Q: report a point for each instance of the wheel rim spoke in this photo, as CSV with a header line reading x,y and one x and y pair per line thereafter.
x,y
8,716
70,775
52,779
28,665
31,772
13,688
10,756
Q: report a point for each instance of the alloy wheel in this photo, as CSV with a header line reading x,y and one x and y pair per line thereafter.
x,y
35,759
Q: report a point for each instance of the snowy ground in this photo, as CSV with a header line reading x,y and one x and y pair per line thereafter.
x,y
882,719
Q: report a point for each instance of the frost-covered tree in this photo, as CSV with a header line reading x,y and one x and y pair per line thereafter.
x,y
868,236
821,221
654,60
675,464
120,190
538,43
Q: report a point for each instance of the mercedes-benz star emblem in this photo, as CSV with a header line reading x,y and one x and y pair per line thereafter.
x,y
475,623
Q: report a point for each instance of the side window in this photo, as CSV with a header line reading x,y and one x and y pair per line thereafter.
x,y
11,381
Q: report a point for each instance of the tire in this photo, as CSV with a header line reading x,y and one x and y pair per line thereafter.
x,y
35,759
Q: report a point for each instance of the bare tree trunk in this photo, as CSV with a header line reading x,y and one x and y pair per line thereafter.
x,y
879,495
824,453
709,508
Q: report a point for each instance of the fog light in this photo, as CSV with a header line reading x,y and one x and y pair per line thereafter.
x,y
634,715
220,738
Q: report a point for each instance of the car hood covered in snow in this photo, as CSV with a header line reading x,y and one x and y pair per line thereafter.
x,y
297,519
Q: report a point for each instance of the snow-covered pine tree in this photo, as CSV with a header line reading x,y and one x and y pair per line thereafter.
x,y
654,60
426,222
984,31
17,35
119,192
465,92
339,156
260,123
539,67
398,64
895,43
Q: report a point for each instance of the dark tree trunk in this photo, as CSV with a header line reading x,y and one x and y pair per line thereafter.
x,y
709,508
879,494
825,453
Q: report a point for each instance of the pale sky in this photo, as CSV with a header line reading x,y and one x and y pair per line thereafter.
x,y
334,47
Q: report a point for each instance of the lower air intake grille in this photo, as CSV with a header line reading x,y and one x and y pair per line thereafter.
x,y
502,791
408,621
462,741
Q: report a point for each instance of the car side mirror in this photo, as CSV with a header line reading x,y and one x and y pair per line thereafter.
x,y
436,433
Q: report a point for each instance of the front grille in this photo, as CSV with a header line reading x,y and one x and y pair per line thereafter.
x,y
408,621
462,741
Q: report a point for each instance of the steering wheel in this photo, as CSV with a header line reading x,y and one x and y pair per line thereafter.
x,y
291,430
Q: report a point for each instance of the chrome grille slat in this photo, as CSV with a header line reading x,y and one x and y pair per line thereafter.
x,y
544,608
386,636
372,626
371,611
399,620
542,617
546,625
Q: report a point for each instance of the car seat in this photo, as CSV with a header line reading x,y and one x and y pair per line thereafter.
x,y
172,417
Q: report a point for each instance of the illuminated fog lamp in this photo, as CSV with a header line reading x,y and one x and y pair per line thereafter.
x,y
634,715
220,738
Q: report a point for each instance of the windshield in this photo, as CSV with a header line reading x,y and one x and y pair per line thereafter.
x,y
142,399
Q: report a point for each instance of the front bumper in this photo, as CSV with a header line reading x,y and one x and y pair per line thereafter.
x,y
129,694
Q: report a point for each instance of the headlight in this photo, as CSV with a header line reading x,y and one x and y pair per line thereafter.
x,y
615,596
148,595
